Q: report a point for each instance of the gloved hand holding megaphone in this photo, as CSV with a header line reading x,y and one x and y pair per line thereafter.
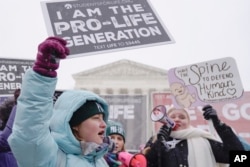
x,y
159,114
118,157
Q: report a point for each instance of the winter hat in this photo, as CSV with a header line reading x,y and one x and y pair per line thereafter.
x,y
115,128
86,111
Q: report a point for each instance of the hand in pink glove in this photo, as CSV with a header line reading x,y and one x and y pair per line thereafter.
x,y
49,54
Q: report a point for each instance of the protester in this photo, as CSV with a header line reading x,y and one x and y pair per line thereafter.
x,y
118,156
7,158
116,132
184,145
71,133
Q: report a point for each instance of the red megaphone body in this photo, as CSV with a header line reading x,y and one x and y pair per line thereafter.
x,y
132,160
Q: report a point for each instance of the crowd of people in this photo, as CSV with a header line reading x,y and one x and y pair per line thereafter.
x,y
76,131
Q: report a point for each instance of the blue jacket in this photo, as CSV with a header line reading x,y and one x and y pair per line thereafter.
x,y
39,130
245,144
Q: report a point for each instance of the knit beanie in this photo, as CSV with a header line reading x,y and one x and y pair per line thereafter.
x,y
86,111
115,128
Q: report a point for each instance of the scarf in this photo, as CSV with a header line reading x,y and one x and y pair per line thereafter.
x,y
90,147
199,149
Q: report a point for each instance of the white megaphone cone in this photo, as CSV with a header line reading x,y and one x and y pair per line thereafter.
x,y
159,114
132,160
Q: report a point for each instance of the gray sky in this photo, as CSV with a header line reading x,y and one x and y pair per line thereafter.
x,y
202,30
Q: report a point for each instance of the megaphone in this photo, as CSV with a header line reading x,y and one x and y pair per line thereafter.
x,y
159,114
132,160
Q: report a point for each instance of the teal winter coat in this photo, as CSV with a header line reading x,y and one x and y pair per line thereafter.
x,y
40,128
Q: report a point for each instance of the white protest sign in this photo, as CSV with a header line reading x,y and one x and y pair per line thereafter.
x,y
207,82
94,26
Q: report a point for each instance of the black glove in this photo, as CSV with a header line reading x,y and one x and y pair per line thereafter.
x,y
164,132
163,136
210,113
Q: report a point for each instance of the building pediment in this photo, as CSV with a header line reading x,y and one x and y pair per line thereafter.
x,y
122,68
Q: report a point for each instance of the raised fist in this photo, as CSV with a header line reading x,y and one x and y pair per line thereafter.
x,y
49,54
210,113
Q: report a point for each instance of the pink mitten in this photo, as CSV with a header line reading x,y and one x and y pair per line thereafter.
x,y
49,54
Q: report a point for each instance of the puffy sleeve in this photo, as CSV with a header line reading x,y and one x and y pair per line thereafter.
x,y
229,142
30,141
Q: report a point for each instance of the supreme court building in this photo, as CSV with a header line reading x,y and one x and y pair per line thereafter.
x,y
127,86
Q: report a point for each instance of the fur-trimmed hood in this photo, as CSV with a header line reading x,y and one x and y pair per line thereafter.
x,y
64,108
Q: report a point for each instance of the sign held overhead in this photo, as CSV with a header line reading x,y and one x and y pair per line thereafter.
x,y
94,26
207,82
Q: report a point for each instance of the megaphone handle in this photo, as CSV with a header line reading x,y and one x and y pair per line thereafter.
x,y
164,133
